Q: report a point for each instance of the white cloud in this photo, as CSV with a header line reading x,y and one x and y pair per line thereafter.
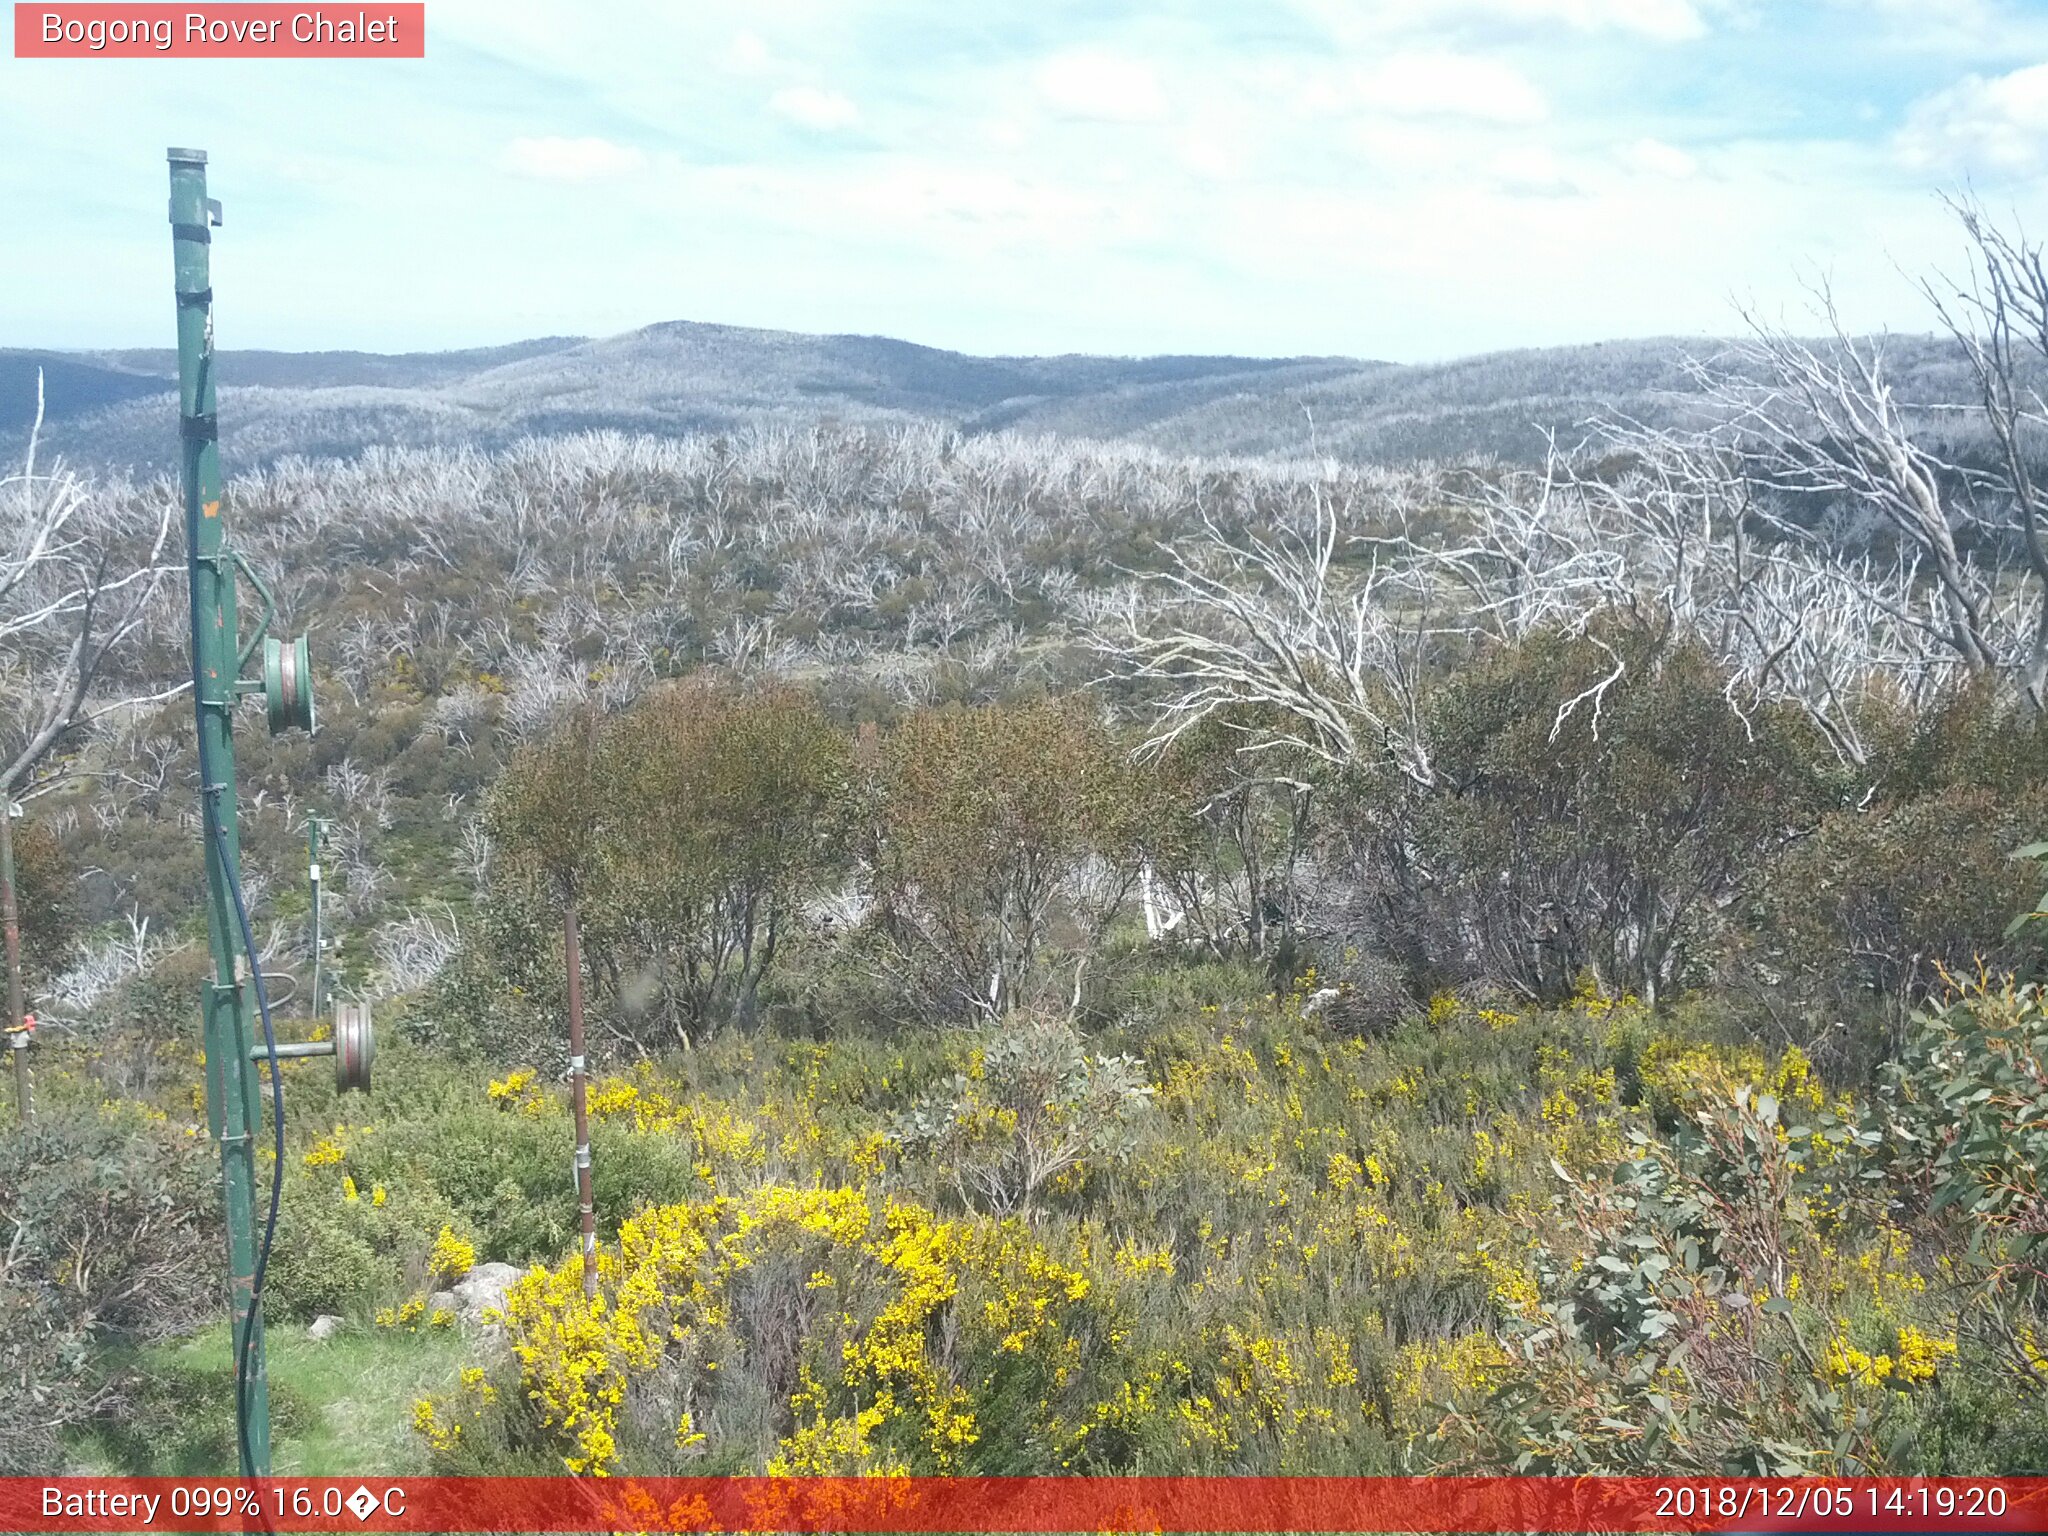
x,y
1101,87
552,159
1980,125
1213,156
1961,29
746,54
1407,209
1432,85
1357,25
1529,168
814,108
933,205
1653,157
1671,21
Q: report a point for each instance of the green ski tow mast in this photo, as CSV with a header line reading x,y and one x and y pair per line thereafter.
x,y
234,1108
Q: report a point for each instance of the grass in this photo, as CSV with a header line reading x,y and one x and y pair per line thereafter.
x,y
339,1408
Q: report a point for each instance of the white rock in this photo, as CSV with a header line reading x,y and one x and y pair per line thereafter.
x,y
323,1327
483,1290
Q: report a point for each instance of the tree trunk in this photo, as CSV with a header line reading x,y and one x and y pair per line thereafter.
x,y
579,1098
10,920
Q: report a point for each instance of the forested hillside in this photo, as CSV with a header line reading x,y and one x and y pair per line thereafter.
x,y
115,409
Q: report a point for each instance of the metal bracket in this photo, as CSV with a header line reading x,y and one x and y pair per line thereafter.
x,y
241,563
211,207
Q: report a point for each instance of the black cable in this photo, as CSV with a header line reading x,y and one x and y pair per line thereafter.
x,y
210,790
243,1351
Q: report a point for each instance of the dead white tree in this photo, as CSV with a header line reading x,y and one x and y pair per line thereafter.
x,y
1273,624
1665,527
414,949
79,572
1998,313
1824,422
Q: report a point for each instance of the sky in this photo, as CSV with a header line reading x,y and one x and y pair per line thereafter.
x,y
1399,179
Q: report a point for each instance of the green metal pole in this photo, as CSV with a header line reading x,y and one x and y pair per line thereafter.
x,y
232,1106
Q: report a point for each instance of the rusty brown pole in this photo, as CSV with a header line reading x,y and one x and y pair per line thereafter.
x,y
579,1097
10,919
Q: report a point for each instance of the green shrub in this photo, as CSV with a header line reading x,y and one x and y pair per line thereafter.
x,y
1968,739
1867,914
503,1176
1963,1115
688,832
325,1258
1034,1105
1225,835
47,900
1001,847
108,1224
1576,829
1661,1336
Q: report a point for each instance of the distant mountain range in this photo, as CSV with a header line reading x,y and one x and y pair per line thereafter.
x,y
118,408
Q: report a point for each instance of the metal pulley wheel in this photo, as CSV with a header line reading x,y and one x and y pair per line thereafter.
x,y
288,684
354,1046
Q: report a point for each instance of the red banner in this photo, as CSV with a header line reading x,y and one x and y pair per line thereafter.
x,y
237,31
1024,1504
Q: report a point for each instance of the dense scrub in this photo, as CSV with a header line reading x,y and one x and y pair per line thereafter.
x,y
1543,1047
1583,1237
963,863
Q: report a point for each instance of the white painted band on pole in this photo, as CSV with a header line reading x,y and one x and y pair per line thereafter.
x,y
576,1065
590,1242
583,1155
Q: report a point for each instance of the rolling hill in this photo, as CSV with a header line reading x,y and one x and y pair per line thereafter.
x,y
115,408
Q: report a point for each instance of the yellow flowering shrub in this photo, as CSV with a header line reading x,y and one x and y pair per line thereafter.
x,y
1433,1372
858,1284
452,1257
1324,1254
1914,1359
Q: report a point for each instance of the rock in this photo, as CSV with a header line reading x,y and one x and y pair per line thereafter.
x,y
441,1301
1320,999
482,1291
323,1327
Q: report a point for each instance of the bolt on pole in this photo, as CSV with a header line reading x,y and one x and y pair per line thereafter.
x,y
232,1108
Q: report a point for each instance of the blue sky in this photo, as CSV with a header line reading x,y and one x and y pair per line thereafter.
x,y
1408,179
